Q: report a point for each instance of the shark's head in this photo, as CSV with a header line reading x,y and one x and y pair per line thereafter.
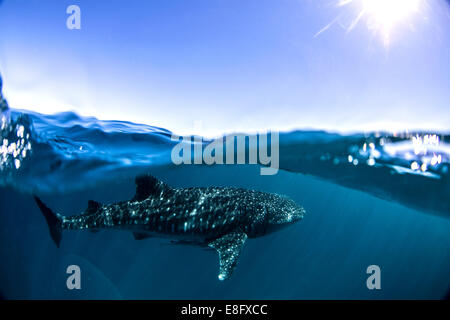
x,y
283,211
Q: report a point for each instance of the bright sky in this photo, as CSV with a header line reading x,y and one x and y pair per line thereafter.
x,y
216,66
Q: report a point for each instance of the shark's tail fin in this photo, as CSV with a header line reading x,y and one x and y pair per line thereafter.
x,y
53,221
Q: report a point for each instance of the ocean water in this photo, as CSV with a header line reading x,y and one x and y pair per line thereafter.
x,y
370,198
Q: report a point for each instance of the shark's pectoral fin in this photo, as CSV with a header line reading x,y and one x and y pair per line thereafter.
x,y
229,247
141,235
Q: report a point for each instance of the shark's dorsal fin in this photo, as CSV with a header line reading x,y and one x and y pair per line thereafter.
x,y
141,235
147,185
229,247
93,207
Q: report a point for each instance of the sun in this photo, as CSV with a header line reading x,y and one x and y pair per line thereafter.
x,y
382,17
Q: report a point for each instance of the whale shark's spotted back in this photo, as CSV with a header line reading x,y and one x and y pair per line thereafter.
x,y
221,218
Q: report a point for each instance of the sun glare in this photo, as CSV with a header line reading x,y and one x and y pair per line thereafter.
x,y
382,17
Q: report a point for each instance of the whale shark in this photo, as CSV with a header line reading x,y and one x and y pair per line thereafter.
x,y
221,218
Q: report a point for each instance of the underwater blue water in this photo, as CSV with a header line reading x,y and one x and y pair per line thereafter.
x,y
370,199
